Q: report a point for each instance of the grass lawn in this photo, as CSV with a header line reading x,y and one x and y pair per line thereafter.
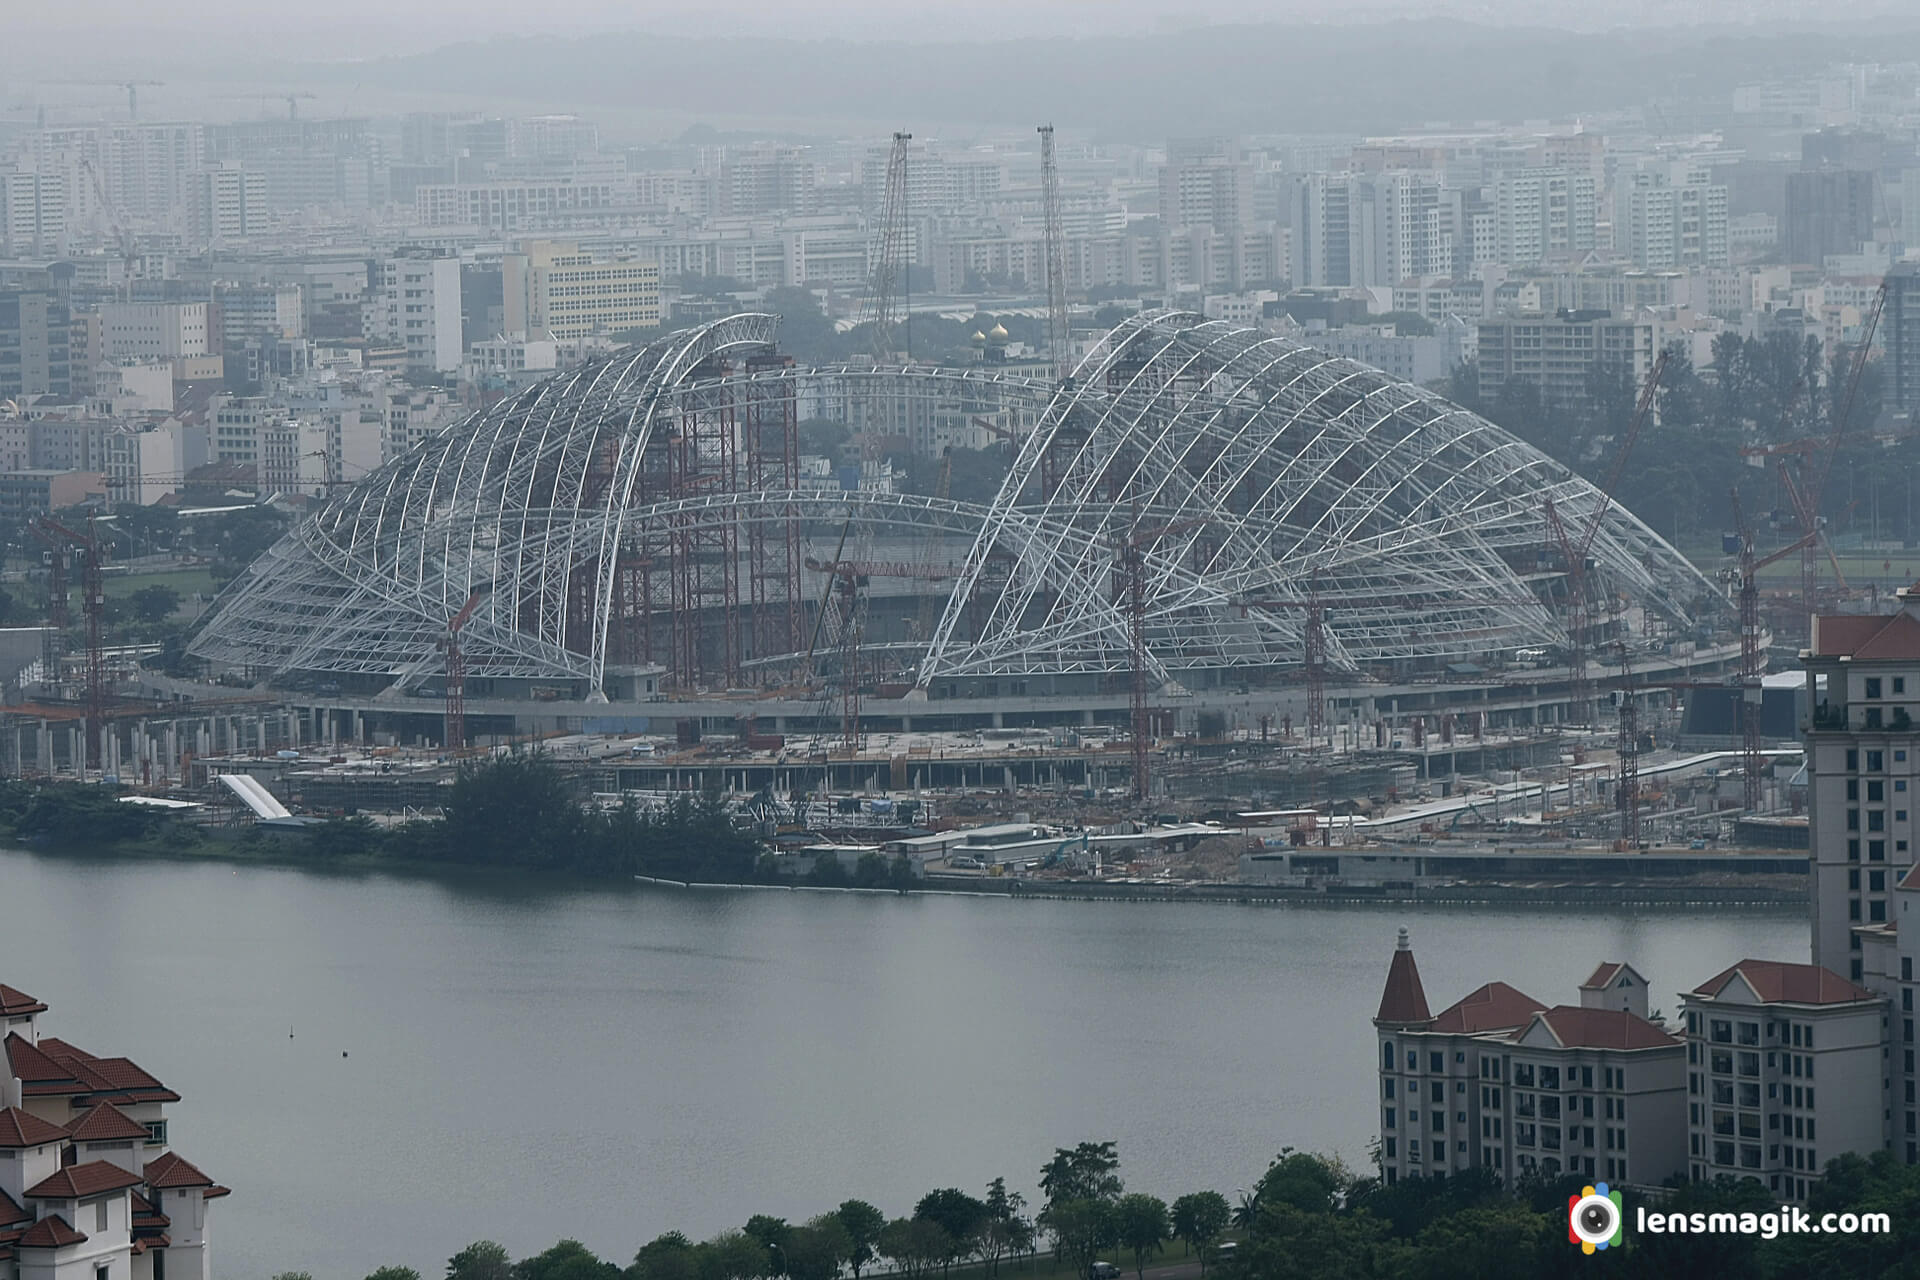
x,y
185,582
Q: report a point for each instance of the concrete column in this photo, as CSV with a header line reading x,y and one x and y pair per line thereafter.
x,y
44,747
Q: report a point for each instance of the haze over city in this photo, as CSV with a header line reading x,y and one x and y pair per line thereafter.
x,y
995,640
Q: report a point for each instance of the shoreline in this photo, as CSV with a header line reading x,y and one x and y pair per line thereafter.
x,y
1459,893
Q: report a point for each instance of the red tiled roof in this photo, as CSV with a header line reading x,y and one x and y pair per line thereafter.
x,y
170,1171
11,1213
24,1129
144,1214
1607,972
105,1123
214,1193
1494,1007
121,1076
1577,1027
1404,999
1867,636
15,1003
1777,981
1911,880
38,1074
50,1233
77,1181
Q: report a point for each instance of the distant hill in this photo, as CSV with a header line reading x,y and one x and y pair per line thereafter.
x,y
1252,78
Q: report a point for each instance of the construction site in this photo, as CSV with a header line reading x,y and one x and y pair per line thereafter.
x,y
1224,573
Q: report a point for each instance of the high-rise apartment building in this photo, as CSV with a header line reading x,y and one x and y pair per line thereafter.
x,y
765,180
555,288
1662,225
229,204
1828,211
1900,330
1399,228
1863,772
1784,1072
35,346
416,304
33,212
1321,250
1500,1081
1542,213
1556,352
1205,184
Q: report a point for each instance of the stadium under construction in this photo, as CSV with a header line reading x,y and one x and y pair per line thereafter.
x,y
1204,529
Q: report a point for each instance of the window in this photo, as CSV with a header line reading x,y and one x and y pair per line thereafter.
x,y
1392,1118
100,1224
1387,1087
1876,792
1439,1091
1876,849
1853,850
1413,1060
1876,761
1436,1062
156,1133
1873,686
1853,760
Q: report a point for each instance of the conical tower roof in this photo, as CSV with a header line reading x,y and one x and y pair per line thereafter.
x,y
1404,1002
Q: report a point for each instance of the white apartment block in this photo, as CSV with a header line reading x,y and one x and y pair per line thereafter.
x,y
144,170
1863,772
415,303
89,1187
144,465
555,289
33,212
413,415
153,330
1784,1072
517,206
258,311
1500,1081
229,205
1541,213
1660,226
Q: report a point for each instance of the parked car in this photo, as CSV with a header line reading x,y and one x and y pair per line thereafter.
x,y
1103,1271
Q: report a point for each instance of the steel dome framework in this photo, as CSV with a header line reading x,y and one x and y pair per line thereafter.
x,y
649,509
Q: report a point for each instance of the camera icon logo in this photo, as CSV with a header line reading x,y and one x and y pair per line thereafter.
x,y
1594,1218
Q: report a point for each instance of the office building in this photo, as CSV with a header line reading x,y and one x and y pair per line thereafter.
x,y
229,205
1829,211
1556,353
1900,331
556,289
35,346
415,304
153,330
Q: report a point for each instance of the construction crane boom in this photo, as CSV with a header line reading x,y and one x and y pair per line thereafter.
x,y
892,262
1574,550
1059,340
1751,657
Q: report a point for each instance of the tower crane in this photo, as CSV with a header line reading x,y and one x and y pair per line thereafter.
x,y
132,87
456,691
1059,344
1130,557
892,264
1574,548
93,603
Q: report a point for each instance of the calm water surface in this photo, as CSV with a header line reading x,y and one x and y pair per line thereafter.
x,y
526,1063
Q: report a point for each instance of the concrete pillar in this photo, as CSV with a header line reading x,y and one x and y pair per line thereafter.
x,y
44,747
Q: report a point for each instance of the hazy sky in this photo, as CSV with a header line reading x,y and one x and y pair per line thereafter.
x,y
61,37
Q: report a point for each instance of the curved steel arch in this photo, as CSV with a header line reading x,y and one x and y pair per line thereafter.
x,y
1241,462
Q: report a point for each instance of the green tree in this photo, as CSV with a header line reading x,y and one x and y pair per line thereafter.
x,y
1287,1244
568,1260
916,1245
1140,1221
817,1249
665,1257
863,1224
960,1215
1089,1171
1004,1232
1505,1240
1198,1219
1310,1183
512,809
1081,1230
394,1273
481,1260
733,1255
155,604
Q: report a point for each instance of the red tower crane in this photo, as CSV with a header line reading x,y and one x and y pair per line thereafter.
x,y
1130,555
93,604
1752,659
456,728
1573,551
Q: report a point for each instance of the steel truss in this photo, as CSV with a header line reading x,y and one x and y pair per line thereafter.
x,y
648,509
